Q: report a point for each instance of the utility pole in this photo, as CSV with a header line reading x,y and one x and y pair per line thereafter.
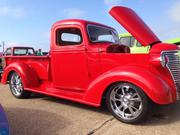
x,y
2,45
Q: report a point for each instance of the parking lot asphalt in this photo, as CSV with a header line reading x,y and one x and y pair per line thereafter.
x,y
43,115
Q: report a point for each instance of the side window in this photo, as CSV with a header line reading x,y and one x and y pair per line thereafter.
x,y
138,44
125,41
8,52
68,36
129,41
132,41
30,52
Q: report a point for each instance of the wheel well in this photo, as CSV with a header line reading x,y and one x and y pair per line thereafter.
x,y
9,76
103,98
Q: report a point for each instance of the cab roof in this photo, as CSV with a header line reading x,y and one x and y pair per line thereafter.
x,y
19,47
79,22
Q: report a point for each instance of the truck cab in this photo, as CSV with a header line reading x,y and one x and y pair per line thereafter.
x,y
19,51
87,64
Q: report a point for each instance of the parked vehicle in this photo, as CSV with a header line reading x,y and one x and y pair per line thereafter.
x,y
15,51
4,126
174,41
86,64
135,46
19,51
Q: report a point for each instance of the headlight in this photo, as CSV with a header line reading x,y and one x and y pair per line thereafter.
x,y
163,60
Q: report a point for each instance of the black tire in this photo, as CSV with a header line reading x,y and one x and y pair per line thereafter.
x,y
16,87
122,105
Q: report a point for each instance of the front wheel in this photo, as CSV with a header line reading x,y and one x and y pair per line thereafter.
x,y
127,103
16,86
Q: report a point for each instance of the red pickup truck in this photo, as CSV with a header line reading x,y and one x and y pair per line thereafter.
x,y
86,64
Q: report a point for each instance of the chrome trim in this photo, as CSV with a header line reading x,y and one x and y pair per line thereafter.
x,y
173,66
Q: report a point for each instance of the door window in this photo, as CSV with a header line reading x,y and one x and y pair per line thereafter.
x,y
129,41
68,36
139,44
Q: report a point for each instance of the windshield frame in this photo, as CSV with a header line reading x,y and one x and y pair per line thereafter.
x,y
104,27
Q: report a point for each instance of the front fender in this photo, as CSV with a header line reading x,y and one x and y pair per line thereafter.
x,y
153,86
29,77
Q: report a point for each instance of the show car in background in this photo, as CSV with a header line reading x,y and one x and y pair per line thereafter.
x,y
15,51
86,64
174,41
136,47
19,51
4,126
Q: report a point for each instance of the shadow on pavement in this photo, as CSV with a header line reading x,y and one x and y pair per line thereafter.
x,y
102,109
164,114
31,122
161,114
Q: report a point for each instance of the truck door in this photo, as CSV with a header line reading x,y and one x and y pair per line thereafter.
x,y
69,61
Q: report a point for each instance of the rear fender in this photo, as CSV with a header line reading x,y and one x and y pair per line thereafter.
x,y
29,77
153,86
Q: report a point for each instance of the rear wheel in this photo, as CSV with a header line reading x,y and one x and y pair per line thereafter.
x,y
127,103
16,86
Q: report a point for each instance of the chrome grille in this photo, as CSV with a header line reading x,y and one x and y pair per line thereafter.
x,y
174,67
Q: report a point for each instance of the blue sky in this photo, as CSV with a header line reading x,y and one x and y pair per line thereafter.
x,y
28,22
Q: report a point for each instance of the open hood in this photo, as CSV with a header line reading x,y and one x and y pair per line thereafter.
x,y
134,25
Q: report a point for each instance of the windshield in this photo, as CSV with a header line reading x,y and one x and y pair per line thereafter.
x,y
102,34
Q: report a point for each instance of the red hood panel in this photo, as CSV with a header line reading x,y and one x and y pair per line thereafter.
x,y
134,25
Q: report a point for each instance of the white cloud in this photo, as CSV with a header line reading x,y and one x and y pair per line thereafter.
x,y
174,18
74,13
112,2
174,12
11,11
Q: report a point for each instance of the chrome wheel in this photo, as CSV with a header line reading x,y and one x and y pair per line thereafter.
x,y
125,101
16,84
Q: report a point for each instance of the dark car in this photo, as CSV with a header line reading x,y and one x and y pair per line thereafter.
x,y
4,126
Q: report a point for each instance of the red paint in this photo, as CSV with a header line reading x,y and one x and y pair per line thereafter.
x,y
83,72
134,24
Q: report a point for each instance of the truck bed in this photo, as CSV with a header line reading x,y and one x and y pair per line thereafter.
x,y
40,64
